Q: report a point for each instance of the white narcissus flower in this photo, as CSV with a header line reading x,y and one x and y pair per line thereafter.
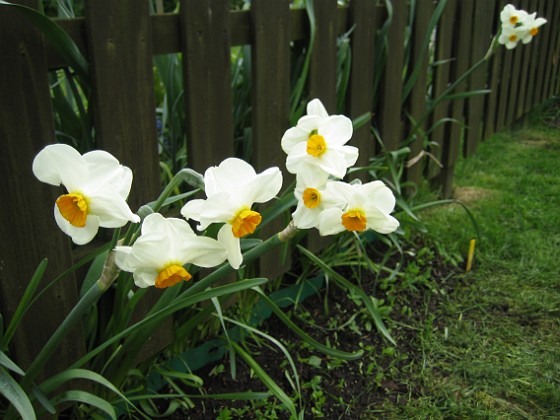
x,y
367,207
312,197
97,184
232,188
158,257
320,140
510,36
531,26
511,17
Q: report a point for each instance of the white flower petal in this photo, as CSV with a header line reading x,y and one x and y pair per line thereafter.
x,y
193,209
293,136
105,169
203,251
380,222
263,187
232,246
381,195
332,162
61,164
80,236
121,257
336,129
316,107
145,277
111,208
228,176
330,222
309,123
304,217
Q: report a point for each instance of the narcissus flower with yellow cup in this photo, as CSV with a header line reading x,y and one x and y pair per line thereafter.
x,y
232,188
320,140
531,27
312,197
159,255
512,17
510,36
97,188
368,206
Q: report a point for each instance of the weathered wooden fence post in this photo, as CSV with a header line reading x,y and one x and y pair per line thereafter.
x,y
27,226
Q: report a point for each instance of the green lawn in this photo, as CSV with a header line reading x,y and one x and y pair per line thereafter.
x,y
492,349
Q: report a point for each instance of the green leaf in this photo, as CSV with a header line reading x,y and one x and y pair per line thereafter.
x,y
9,364
24,303
63,43
10,389
86,398
59,379
338,354
369,304
267,380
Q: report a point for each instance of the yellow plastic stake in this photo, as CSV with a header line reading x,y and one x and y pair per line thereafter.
x,y
471,255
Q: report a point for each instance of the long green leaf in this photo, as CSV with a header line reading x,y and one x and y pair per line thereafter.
x,y
63,43
59,379
10,389
86,398
9,364
338,354
24,304
371,308
179,304
267,380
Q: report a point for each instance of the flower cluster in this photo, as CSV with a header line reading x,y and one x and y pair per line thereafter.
x,y
98,185
518,25
319,157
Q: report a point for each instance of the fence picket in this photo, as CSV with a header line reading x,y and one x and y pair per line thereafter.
x,y
444,56
206,38
363,16
28,229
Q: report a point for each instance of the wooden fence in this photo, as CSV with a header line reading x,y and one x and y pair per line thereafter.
x,y
120,38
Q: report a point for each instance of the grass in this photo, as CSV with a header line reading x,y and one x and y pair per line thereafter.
x,y
492,350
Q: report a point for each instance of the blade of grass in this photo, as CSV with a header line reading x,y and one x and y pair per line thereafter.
x,y
11,390
369,304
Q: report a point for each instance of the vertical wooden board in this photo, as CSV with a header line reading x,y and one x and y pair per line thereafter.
x,y
504,94
119,42
534,60
454,131
444,42
524,69
27,228
270,80
543,38
390,109
514,85
492,99
416,102
363,17
482,37
554,51
270,97
322,69
206,45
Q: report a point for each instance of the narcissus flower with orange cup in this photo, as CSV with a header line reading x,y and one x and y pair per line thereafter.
x,y
159,255
312,197
232,188
368,206
531,27
320,140
97,188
